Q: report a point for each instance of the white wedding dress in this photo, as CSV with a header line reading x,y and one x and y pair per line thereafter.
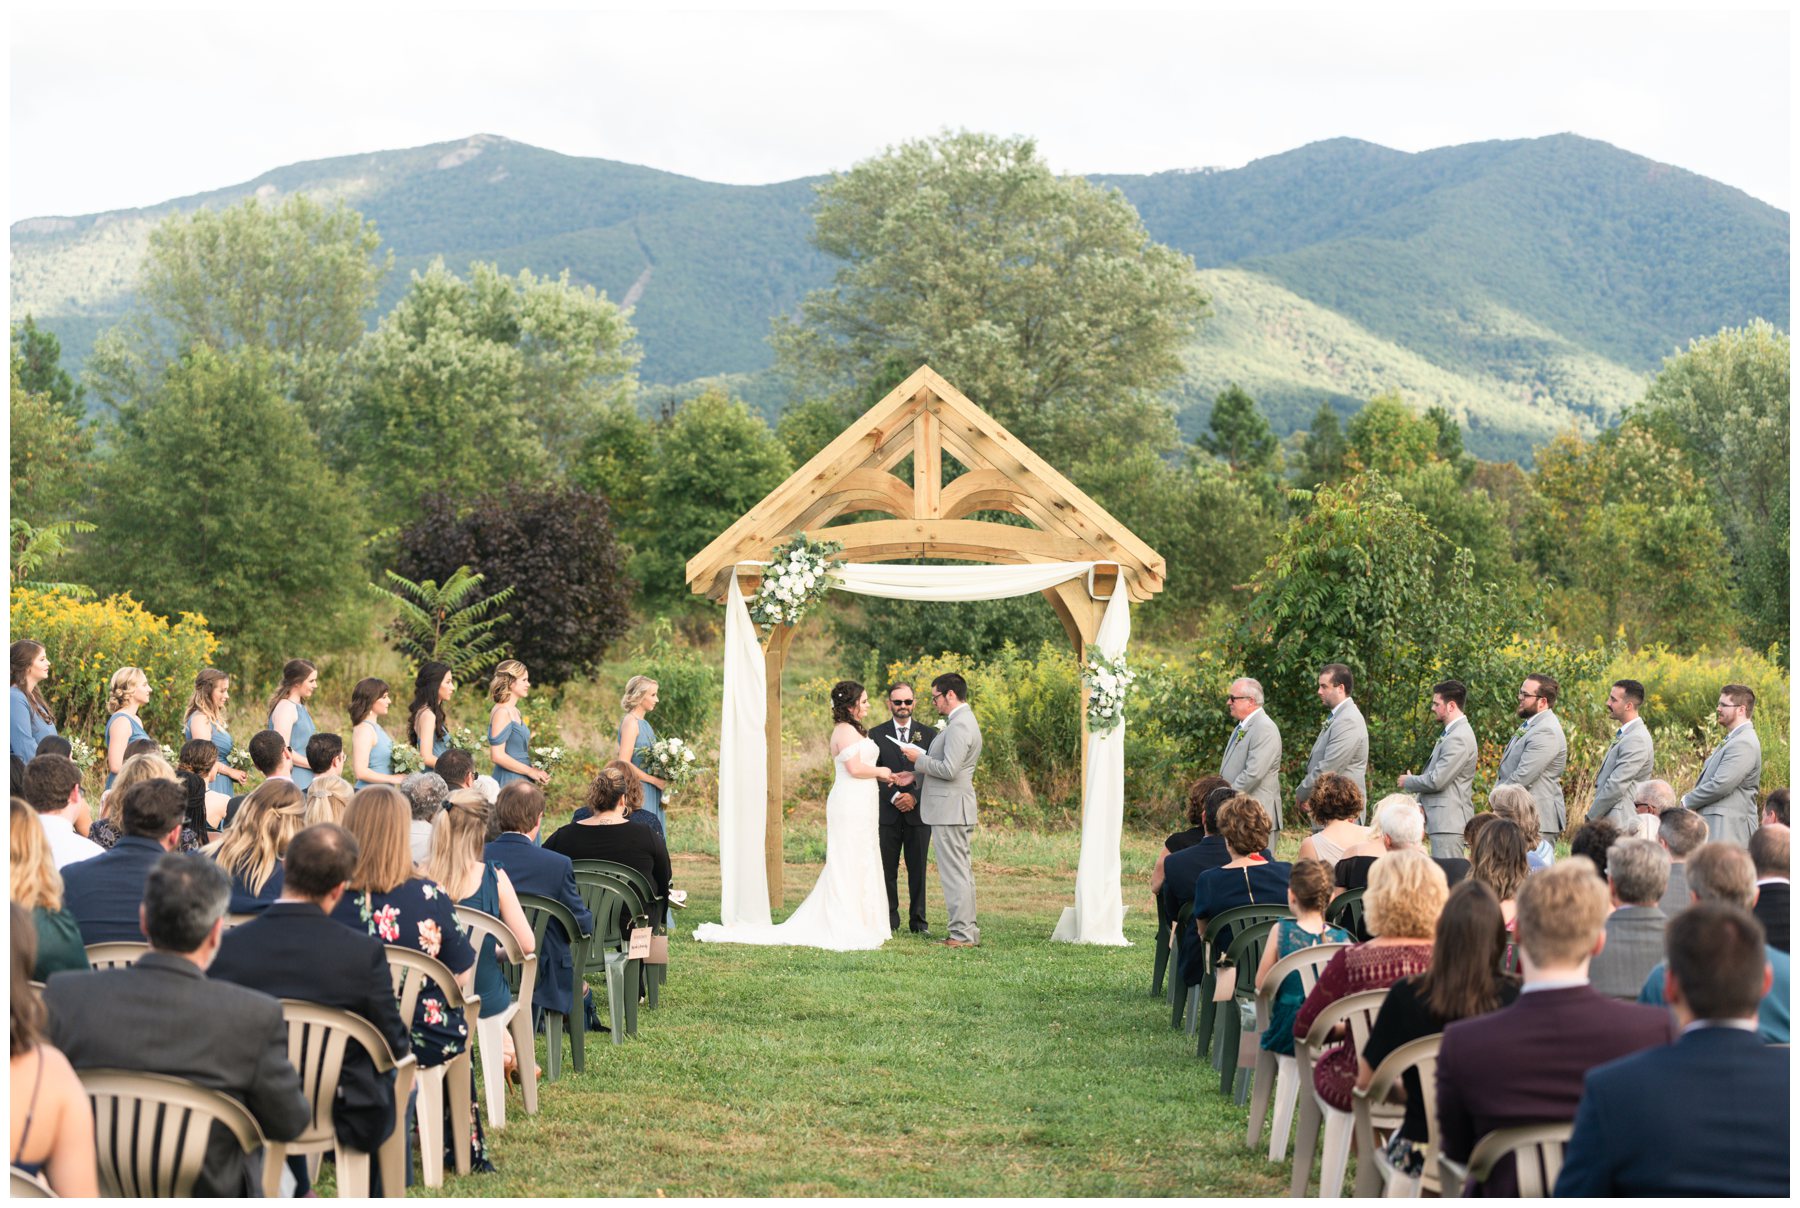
x,y
847,910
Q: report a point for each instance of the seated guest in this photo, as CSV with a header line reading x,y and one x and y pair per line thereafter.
x,y
457,769
1399,826
1637,875
425,793
138,769
1708,1115
603,835
1593,839
325,754
1195,833
1405,895
326,799
1774,810
1474,827
634,804
1722,872
269,754
38,888
1681,832
1514,803
1246,879
207,808
1182,868
52,1124
1309,892
1769,853
1463,981
1336,804
104,893
163,1016
548,874
1499,859
56,744
53,787
1524,1064
293,949
1653,799
272,814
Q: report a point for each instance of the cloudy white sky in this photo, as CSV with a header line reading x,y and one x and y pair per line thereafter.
x,y
112,110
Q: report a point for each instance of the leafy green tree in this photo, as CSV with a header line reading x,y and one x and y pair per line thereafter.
x,y
1239,434
1326,449
1386,436
807,426
52,454
450,624
616,460
37,360
219,504
1449,440
1039,296
1467,516
34,549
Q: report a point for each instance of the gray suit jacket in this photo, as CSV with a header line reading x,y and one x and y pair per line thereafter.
x,y
1729,778
1676,897
1252,763
1342,747
947,797
1634,945
1630,760
1446,787
1535,759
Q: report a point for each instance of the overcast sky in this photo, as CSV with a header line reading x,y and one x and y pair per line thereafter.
x,y
115,110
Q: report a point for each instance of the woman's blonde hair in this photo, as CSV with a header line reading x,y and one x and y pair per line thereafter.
x,y
458,836
326,798
35,881
504,675
205,685
381,820
1405,896
120,686
136,770
1515,803
268,819
636,689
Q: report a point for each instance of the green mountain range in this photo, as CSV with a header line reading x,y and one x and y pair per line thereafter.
x,y
1527,285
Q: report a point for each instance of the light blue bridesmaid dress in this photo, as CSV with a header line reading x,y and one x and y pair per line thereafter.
x,y
303,731
646,738
516,741
28,726
381,756
221,738
137,732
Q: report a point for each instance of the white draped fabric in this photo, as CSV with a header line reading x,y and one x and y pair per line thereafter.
x,y
1098,914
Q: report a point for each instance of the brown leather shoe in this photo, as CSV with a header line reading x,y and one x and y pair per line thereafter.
x,y
959,944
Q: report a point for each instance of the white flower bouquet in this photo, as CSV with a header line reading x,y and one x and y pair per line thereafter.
x,y
672,760
796,577
239,759
404,759
464,738
170,754
547,757
1108,681
80,752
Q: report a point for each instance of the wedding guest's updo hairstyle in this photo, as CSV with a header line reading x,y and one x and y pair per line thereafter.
x,y
363,698
636,689
844,695
120,687
504,675
611,788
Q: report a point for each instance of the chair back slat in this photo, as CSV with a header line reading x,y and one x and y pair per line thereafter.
x,y
1346,911
1246,952
1346,1010
411,969
1372,1108
609,900
635,876
1308,963
28,1186
116,954
1536,1150
151,1131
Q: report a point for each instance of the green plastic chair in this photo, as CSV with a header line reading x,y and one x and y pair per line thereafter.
x,y
1182,998
607,898
654,975
539,912
1244,955
1346,911
1236,917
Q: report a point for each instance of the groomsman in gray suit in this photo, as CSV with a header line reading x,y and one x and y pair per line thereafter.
x,y
1446,788
947,802
1726,794
1538,752
1343,742
1629,761
1252,761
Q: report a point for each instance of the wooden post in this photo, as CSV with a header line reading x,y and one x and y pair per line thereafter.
x,y
775,658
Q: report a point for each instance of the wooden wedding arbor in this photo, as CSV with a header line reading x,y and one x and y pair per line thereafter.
x,y
925,418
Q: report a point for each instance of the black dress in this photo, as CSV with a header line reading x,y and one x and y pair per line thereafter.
x,y
1404,1017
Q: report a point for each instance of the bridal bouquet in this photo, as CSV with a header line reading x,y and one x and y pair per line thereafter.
x,y
795,579
404,759
1107,680
547,757
672,760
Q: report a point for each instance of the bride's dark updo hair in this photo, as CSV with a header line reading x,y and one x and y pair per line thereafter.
x,y
844,695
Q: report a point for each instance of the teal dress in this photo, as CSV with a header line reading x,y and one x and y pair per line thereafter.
x,y
302,733
1289,939
515,740
221,738
137,732
381,756
646,738
490,982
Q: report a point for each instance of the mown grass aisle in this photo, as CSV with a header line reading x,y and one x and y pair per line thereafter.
x,y
1019,1068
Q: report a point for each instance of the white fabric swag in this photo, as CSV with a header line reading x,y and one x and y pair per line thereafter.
x,y
1099,911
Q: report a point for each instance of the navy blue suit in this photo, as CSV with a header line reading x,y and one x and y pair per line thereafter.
x,y
104,893
1705,1116
548,874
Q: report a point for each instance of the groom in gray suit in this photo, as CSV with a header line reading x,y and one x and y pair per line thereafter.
x,y
947,802
1446,787
1629,761
1726,794
1343,743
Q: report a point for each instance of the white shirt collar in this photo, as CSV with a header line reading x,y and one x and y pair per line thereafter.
x,y
1740,1025
1636,721
1771,880
1245,724
959,708
1553,983
1339,706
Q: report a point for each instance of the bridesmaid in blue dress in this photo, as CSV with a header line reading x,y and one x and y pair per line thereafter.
x,y
371,749
509,739
206,719
290,718
636,737
126,694
31,720
430,725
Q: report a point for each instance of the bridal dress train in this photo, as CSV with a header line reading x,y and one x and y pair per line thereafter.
x,y
847,910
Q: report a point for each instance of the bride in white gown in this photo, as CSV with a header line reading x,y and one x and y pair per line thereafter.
x,y
847,910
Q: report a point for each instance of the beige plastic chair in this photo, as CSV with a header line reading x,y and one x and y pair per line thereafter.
x,y
150,1131
489,1032
30,1186
1358,1012
1537,1150
237,920
116,955
410,969
1277,1074
1369,1109
317,1040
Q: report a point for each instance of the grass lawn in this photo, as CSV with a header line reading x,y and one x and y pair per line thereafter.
x,y
1022,1068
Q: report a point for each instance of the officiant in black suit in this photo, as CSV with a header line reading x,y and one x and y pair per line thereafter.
x,y
901,829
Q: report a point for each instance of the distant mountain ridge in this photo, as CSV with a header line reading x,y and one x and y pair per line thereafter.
x,y
1528,285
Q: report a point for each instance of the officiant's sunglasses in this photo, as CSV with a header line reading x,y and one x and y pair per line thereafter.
x,y
897,702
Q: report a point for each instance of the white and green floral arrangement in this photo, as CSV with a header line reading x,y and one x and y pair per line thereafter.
x,y
797,576
405,760
239,759
548,757
464,738
169,754
672,760
81,752
1108,682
